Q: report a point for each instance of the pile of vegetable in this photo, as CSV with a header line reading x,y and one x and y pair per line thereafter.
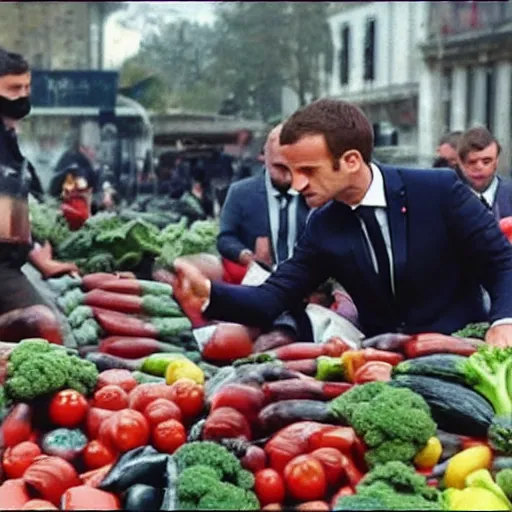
x,y
150,414
108,242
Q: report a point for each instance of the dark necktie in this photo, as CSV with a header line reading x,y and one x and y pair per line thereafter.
x,y
484,201
282,234
367,214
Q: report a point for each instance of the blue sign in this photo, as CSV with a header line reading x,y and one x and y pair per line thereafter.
x,y
74,89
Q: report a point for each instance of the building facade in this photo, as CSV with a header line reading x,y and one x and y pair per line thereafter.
x,y
467,73
377,65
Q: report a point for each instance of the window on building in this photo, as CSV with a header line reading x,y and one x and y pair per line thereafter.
x,y
369,50
490,96
446,98
344,55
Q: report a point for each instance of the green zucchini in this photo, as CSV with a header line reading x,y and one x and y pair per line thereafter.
x,y
454,408
443,366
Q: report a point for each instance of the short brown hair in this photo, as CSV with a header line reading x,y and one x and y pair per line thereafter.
x,y
475,139
343,125
451,138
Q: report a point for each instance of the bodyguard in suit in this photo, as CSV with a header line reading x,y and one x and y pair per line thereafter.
x,y
411,247
479,153
263,207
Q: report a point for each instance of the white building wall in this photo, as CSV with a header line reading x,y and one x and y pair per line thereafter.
x,y
399,28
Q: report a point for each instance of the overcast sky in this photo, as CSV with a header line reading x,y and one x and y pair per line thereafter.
x,y
121,43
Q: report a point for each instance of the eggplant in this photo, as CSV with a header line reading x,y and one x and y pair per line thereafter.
x,y
196,431
143,465
109,362
501,462
142,497
281,414
64,443
238,446
390,341
451,443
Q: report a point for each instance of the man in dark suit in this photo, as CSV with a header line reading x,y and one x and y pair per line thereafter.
x,y
263,208
411,247
479,153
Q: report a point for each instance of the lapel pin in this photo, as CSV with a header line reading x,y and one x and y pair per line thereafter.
x,y
404,209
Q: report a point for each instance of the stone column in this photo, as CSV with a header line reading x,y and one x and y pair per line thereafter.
x,y
503,114
459,95
430,119
479,95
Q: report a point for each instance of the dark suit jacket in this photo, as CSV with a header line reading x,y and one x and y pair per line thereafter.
x,y
245,217
445,244
503,203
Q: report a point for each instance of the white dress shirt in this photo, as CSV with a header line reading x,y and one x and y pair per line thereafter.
x,y
274,205
489,194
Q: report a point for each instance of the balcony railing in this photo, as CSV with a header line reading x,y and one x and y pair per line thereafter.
x,y
449,18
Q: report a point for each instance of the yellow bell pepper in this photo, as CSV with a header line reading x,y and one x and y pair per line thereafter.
x,y
464,463
475,498
183,368
429,456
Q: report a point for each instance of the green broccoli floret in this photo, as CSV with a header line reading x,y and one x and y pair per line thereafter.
x,y
194,482
37,376
394,423
504,480
26,349
82,375
392,486
44,369
245,480
489,371
226,496
209,454
474,330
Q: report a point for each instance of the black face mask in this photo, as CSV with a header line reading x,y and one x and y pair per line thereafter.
x,y
14,109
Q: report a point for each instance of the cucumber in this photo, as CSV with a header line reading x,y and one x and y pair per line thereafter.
x,y
443,366
454,408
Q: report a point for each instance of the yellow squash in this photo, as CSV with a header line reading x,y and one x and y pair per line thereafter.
x,y
183,368
429,456
464,463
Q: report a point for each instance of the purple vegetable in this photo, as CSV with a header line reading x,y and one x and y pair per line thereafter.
x,y
64,443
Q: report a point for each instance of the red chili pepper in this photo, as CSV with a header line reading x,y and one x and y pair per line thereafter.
x,y
133,347
354,476
341,438
432,343
120,324
295,351
373,354
91,281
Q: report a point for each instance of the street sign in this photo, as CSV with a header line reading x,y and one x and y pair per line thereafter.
x,y
96,89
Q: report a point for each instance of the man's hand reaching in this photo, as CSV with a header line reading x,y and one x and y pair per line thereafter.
x,y
190,288
500,336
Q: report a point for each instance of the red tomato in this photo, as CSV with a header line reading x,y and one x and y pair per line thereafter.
x,y
168,436
144,394
95,418
18,458
124,431
68,408
331,460
314,505
269,486
188,396
373,371
96,455
111,397
305,478
160,410
506,227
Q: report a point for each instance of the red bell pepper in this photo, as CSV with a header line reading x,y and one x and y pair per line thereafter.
x,y
50,477
234,273
17,427
291,441
114,377
226,423
84,497
124,430
246,399
13,495
341,438
434,343
96,476
373,371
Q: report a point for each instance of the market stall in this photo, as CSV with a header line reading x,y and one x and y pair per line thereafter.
x,y
145,409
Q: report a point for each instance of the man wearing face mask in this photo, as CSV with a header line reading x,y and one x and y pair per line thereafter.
x,y
23,312
479,153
